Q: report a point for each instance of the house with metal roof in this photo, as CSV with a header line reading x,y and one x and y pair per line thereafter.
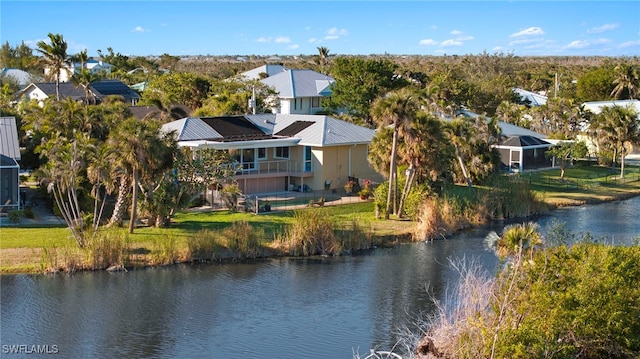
x,y
20,77
520,148
9,167
596,107
94,67
98,91
281,152
262,72
299,91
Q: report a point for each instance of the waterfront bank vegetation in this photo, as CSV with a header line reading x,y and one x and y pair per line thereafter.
x,y
563,296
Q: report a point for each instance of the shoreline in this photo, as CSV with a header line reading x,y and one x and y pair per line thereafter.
x,y
383,238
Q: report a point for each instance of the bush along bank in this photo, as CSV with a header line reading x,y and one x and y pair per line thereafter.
x,y
504,198
312,232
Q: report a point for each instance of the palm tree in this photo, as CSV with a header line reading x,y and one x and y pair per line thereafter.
x,y
620,125
627,78
460,133
396,109
141,152
54,56
323,57
84,77
518,238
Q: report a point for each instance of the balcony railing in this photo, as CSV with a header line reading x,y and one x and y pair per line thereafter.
x,y
272,168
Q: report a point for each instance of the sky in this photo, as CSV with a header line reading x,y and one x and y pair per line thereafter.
x,y
179,28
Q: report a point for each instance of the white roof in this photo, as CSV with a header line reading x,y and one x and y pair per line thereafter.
x,y
191,129
299,83
306,130
597,106
9,145
21,77
513,130
533,98
269,69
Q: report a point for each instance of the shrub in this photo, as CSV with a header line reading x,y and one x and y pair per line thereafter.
x,y
28,213
105,249
581,301
243,240
311,233
14,216
204,245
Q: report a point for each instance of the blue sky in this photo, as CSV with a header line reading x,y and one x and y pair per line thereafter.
x,y
524,28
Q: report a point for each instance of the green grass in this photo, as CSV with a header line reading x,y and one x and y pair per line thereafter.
x,y
183,225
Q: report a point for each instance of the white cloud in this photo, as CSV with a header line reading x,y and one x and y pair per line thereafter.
x,y
603,28
293,47
456,32
450,42
434,27
630,43
497,48
334,31
313,40
264,39
427,42
282,40
139,29
528,32
331,37
464,38
525,41
581,44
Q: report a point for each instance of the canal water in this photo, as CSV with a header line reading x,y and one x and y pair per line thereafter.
x,y
277,308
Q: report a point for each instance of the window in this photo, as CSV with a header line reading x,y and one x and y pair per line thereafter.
x,y
307,159
245,158
281,152
315,102
262,153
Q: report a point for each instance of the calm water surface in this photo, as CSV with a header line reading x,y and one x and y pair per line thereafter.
x,y
308,308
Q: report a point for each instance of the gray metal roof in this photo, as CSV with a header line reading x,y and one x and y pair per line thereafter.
x,y
9,145
191,129
533,98
269,69
325,130
300,83
597,106
318,131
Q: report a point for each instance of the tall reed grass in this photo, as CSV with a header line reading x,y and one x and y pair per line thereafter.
x,y
314,232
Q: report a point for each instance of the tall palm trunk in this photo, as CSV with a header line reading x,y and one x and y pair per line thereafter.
x,y
392,173
407,188
134,201
622,162
463,167
121,203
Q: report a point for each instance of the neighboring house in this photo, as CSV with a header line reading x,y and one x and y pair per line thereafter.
x,y
531,98
299,91
94,66
9,168
520,148
20,77
98,91
280,152
596,107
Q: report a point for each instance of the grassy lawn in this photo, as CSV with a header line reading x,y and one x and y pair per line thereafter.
x,y
21,248
584,184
